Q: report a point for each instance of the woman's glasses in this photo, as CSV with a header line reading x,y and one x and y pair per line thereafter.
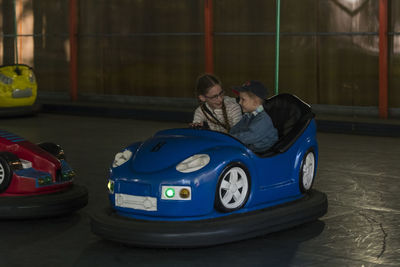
x,y
215,97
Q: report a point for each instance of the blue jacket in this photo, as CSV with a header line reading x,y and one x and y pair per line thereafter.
x,y
256,130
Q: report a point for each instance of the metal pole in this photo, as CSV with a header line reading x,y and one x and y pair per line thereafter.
x,y
20,41
278,17
208,36
73,29
383,60
16,34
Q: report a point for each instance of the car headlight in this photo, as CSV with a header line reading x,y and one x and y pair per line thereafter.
x,y
5,79
32,77
194,163
110,186
121,158
26,164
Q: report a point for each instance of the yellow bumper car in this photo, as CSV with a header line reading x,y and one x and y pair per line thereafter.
x,y
18,90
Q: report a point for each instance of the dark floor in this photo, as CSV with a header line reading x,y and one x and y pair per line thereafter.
x,y
360,174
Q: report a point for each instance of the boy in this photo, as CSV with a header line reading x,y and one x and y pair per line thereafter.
x,y
255,129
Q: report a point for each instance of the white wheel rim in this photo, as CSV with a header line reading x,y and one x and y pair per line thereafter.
x,y
2,173
308,170
233,188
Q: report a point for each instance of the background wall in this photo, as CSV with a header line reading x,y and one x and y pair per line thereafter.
x,y
328,55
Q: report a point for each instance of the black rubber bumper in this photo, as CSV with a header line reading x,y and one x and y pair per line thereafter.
x,y
18,111
40,206
111,226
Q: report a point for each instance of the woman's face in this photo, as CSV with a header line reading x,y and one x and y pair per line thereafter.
x,y
214,97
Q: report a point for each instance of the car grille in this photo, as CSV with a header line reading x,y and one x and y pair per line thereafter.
x,y
22,93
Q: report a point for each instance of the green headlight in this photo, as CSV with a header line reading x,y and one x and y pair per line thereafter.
x,y
170,193
44,180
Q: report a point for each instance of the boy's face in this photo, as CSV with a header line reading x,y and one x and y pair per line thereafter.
x,y
248,103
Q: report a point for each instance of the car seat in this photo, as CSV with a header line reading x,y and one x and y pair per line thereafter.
x,y
290,116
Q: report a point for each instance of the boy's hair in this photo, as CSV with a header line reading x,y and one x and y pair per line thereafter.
x,y
205,82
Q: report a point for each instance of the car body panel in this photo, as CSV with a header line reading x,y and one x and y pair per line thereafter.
x,y
273,179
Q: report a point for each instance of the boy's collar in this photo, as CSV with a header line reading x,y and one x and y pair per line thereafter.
x,y
259,109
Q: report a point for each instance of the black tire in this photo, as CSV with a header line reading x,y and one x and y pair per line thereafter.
x,y
231,194
53,149
307,171
6,174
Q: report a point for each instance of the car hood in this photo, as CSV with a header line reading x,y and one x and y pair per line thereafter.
x,y
168,148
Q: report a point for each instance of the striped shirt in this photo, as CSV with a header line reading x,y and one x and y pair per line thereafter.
x,y
233,110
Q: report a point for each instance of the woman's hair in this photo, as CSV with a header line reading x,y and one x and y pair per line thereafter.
x,y
205,82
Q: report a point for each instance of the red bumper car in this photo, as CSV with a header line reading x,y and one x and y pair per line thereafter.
x,y
35,180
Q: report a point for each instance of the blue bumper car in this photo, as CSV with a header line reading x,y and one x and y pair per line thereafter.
x,y
191,188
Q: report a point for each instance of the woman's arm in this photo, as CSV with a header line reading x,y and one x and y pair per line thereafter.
x,y
198,116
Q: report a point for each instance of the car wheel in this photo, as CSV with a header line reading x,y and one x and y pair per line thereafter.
x,y
307,172
53,149
233,188
5,174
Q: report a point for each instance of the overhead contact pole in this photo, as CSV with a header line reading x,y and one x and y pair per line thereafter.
x,y
278,18
15,34
73,68
383,59
208,36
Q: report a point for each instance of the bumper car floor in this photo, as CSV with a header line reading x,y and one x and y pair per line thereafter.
x,y
358,173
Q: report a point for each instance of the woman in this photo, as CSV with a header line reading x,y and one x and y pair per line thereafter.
x,y
216,110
